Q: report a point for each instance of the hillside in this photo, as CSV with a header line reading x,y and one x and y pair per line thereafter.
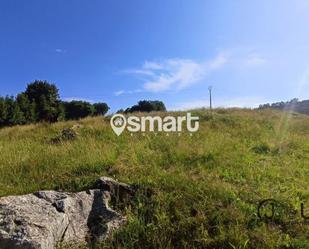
x,y
199,191
293,105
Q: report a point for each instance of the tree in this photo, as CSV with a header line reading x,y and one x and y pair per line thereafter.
x,y
293,105
41,102
26,107
3,114
9,110
100,108
159,106
61,111
78,109
10,113
120,111
46,99
18,117
147,106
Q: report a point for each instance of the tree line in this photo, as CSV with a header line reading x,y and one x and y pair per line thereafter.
x,y
40,102
292,105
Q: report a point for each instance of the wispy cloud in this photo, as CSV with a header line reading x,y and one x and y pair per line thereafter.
x,y
122,92
249,102
118,93
254,59
78,99
60,50
152,65
139,72
179,73
176,73
218,61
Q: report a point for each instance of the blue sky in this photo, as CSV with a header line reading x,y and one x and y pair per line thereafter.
x,y
120,52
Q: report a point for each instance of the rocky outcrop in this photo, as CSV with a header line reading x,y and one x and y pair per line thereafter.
x,y
117,189
41,220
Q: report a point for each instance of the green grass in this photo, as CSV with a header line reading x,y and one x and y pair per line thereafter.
x,y
205,188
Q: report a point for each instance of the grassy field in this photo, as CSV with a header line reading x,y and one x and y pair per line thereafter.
x,y
205,188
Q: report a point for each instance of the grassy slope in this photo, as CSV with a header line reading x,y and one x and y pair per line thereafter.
x,y
206,186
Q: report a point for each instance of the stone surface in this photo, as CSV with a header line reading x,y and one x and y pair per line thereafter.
x,y
115,188
42,219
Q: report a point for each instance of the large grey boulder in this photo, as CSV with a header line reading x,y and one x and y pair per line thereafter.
x,y
118,189
41,220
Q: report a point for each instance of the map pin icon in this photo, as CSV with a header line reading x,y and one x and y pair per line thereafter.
x,y
118,123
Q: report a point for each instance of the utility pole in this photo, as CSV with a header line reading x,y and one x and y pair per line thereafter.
x,y
210,97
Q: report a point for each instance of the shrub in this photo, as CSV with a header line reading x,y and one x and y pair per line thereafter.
x,y
67,134
261,149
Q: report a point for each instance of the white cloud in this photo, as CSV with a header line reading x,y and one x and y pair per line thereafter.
x,y
69,99
176,73
121,92
254,59
135,91
249,102
60,51
139,71
219,61
179,73
118,93
152,65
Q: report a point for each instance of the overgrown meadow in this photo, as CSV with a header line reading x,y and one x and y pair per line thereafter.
x,y
199,191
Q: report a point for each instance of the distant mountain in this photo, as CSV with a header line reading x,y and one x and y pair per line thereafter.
x,y
292,105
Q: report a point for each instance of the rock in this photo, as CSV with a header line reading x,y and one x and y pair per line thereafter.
x,y
119,190
67,134
41,220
